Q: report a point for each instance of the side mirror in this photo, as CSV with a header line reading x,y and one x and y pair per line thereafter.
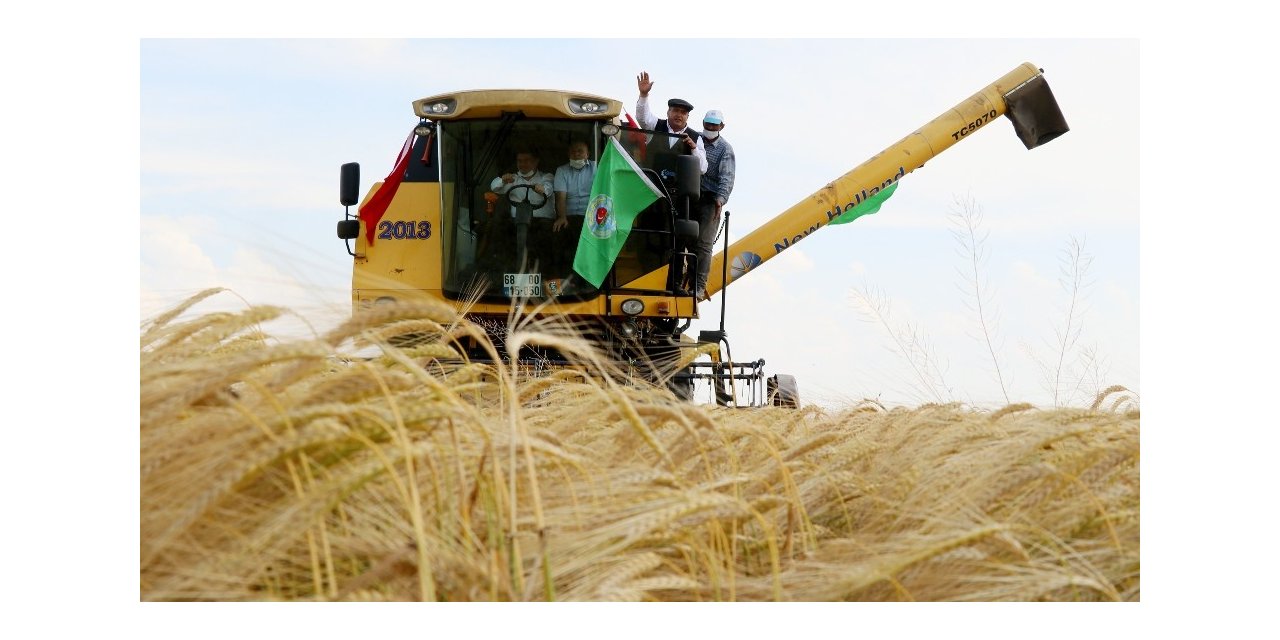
x,y
688,176
687,229
349,192
348,229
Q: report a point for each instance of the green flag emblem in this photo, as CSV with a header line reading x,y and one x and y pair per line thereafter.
x,y
619,192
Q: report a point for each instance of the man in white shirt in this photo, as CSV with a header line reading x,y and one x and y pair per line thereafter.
x,y
530,190
676,123
539,193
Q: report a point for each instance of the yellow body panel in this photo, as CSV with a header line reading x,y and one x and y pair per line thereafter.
x,y
602,306
654,307
405,253
652,280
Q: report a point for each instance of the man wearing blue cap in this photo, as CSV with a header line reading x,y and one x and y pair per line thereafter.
x,y
717,184
677,124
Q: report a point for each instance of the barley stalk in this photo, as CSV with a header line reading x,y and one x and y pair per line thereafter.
x,y
292,470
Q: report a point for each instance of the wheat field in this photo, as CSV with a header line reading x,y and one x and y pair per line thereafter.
x,y
287,470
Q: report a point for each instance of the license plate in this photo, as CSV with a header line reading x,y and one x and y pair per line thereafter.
x,y
522,285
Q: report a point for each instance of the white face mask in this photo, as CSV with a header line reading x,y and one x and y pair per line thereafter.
x,y
578,164
711,135
526,175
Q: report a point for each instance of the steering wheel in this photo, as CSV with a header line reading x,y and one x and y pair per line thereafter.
x,y
528,192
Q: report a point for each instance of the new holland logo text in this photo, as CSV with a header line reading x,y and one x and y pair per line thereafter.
x,y
836,211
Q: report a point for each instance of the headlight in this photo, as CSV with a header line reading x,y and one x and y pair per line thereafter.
x,y
629,329
585,106
610,129
423,129
438,108
632,306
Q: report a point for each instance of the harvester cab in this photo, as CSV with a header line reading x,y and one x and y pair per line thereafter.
x,y
466,215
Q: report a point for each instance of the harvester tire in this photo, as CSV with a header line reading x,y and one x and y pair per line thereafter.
x,y
783,391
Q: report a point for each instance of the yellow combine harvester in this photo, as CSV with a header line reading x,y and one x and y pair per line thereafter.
x,y
434,228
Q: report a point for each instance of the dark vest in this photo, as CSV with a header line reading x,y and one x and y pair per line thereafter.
x,y
660,155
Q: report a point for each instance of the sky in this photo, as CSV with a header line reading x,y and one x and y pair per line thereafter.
x,y
241,141
86,117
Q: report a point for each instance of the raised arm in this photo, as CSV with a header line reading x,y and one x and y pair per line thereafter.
x,y
644,116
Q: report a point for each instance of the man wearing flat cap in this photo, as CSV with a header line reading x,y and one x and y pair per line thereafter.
x,y
677,123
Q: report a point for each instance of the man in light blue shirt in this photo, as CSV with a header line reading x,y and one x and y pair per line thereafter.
x,y
528,185
572,185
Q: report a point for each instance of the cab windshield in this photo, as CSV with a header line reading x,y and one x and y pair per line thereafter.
x,y
499,207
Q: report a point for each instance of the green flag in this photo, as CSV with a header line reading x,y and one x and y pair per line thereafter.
x,y
619,192
866,207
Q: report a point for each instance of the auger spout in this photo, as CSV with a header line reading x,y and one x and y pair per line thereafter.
x,y
1022,94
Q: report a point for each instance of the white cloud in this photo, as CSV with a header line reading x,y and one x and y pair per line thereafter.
x,y
175,267
171,259
1026,275
791,263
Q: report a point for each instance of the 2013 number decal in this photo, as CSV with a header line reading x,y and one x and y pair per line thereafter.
x,y
411,230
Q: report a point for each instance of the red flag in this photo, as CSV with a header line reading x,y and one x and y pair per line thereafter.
x,y
636,139
373,210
